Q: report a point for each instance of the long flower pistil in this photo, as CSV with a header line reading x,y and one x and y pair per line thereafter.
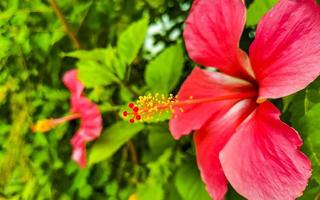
x,y
151,106
45,125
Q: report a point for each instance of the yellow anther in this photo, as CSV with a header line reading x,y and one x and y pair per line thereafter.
x,y
153,106
48,124
43,125
133,197
261,100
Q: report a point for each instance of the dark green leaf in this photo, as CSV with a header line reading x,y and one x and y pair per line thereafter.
x,y
155,3
160,171
112,139
159,138
189,184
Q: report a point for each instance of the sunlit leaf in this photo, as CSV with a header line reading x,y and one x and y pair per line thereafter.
x,y
311,130
130,42
94,54
106,59
5,44
93,73
163,73
257,9
150,190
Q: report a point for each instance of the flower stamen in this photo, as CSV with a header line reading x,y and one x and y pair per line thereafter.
x,y
48,124
151,106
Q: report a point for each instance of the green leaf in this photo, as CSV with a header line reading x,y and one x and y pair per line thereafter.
x,y
163,73
5,45
112,139
150,190
189,184
311,130
105,58
286,101
312,97
311,123
155,3
311,191
43,40
160,171
257,9
94,54
159,139
130,42
93,74
297,109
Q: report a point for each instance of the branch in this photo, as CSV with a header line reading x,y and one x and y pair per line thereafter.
x,y
66,27
133,153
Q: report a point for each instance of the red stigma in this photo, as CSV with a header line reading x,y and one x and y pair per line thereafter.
x,y
135,109
134,112
150,106
138,117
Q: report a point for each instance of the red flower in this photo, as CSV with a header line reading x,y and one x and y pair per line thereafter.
x,y
238,134
82,108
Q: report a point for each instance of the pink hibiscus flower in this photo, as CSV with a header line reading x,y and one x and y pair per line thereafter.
x,y
239,137
81,108
242,140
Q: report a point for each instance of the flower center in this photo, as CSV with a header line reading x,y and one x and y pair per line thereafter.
x,y
150,106
48,124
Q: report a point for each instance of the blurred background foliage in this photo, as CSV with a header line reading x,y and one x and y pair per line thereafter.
x,y
122,49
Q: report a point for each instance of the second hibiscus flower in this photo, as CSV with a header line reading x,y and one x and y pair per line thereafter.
x,y
81,108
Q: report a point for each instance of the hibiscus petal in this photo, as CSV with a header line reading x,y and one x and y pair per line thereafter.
x,y
212,33
90,128
285,54
262,159
199,85
79,154
210,140
90,119
71,81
